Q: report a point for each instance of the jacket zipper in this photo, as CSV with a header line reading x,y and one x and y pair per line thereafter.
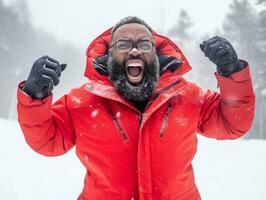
x,y
118,125
140,119
165,119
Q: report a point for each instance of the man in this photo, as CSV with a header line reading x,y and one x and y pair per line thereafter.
x,y
134,122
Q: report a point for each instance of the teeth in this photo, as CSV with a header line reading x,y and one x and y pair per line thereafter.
x,y
134,64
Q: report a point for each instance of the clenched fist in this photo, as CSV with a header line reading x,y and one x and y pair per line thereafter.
x,y
222,53
44,74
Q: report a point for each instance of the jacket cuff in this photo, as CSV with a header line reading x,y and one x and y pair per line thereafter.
x,y
237,86
26,99
32,111
239,76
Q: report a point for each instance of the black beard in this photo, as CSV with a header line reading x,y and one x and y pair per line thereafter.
x,y
133,93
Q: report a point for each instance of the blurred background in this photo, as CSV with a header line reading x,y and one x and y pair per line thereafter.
x,y
63,29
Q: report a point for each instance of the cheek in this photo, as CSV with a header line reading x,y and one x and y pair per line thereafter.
x,y
149,58
118,57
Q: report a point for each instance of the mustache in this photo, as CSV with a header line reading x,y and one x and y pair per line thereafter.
x,y
134,57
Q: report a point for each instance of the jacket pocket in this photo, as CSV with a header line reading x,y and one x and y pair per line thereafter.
x,y
165,120
118,125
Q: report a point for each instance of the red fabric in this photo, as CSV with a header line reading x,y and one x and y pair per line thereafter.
x,y
128,154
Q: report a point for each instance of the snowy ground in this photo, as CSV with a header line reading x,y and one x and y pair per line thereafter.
x,y
225,170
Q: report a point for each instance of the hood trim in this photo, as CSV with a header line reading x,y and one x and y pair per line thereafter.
x,y
163,45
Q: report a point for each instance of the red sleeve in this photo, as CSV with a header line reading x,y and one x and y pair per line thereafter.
x,y
228,115
47,128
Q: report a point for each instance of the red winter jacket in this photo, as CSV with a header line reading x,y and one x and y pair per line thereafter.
x,y
133,155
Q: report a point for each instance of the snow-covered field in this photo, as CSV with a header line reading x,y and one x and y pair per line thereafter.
x,y
224,170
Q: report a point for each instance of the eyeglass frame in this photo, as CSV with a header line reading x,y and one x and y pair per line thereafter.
x,y
134,45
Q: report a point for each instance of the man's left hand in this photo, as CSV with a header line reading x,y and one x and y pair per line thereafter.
x,y
222,53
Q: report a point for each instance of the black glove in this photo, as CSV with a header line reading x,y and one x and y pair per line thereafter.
x,y
44,74
221,53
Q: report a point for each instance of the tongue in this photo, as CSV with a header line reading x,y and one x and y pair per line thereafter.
x,y
134,71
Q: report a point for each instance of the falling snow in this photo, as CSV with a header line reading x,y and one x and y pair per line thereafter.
x,y
94,113
263,92
118,114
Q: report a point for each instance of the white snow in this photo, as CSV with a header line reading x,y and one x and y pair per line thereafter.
x,y
263,92
118,114
224,170
231,170
26,175
94,113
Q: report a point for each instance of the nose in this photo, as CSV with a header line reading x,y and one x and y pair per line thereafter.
x,y
134,52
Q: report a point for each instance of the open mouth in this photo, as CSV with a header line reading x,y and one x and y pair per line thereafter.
x,y
134,70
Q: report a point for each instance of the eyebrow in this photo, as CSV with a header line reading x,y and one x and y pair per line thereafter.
x,y
144,38
124,38
129,39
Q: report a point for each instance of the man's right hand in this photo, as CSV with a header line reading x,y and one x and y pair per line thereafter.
x,y
44,74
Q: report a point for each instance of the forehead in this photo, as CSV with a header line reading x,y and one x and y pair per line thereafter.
x,y
132,31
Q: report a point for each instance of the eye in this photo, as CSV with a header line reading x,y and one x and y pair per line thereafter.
x,y
123,45
145,45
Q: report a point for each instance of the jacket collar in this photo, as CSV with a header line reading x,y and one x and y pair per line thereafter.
x,y
100,85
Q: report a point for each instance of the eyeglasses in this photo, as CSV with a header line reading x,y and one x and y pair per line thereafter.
x,y
125,46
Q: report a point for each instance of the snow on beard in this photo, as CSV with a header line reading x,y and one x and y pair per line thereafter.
x,y
138,93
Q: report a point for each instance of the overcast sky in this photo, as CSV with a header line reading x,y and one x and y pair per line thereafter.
x,y
79,21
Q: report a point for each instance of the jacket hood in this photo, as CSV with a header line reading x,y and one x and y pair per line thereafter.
x,y
172,60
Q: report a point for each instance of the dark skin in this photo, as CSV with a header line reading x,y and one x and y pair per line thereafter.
x,y
134,32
